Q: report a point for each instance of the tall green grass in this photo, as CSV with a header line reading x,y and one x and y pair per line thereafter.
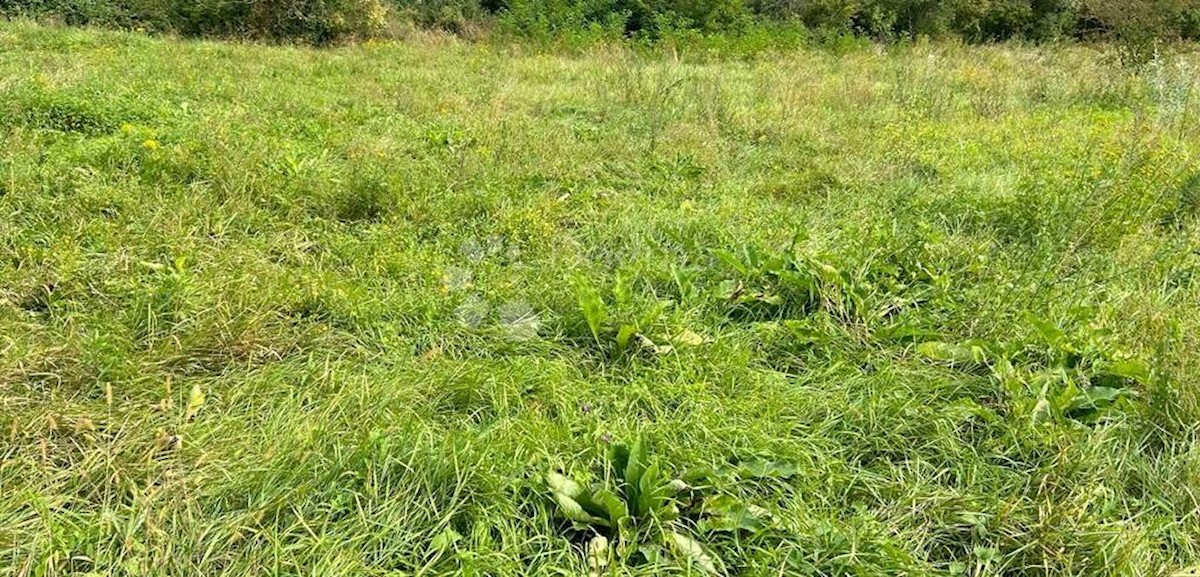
x,y
274,310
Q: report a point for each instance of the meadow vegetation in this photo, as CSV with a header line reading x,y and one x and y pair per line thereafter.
x,y
441,307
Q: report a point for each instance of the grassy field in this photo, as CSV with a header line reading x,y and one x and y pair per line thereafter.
x,y
929,310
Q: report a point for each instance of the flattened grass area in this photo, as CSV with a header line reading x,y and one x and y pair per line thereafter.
x,y
271,310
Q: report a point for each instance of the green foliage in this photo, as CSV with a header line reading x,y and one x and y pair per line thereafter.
x,y
1138,25
1056,377
316,21
975,20
628,326
1141,28
792,285
648,513
453,15
788,284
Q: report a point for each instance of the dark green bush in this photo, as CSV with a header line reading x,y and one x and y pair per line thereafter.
x,y
317,21
1030,19
1139,26
987,20
650,18
452,15
540,18
313,20
116,13
1189,23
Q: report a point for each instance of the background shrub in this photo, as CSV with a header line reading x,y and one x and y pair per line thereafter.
x,y
316,21
1137,24
452,15
1189,23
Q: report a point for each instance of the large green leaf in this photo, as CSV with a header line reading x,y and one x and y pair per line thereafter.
x,y
692,553
1133,370
573,511
624,335
613,506
1103,396
566,494
591,505
652,491
1053,335
594,310
635,467
1086,403
731,260
559,483
951,353
618,457
726,513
